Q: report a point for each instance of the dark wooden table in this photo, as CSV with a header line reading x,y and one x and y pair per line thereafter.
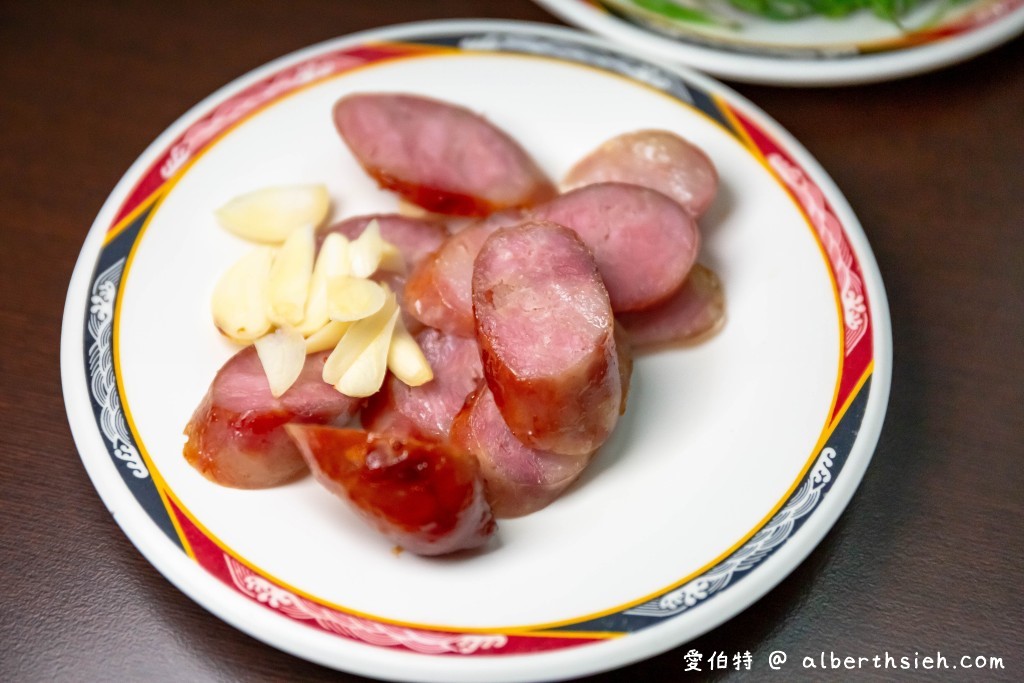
x,y
927,558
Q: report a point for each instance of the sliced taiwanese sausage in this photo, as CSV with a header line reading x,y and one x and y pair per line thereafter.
x,y
439,290
644,242
520,479
658,159
546,334
236,436
437,155
425,496
427,411
696,310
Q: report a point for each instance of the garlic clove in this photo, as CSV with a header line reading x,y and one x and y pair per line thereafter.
x,y
290,276
406,360
365,376
357,338
366,250
353,298
330,262
335,253
282,353
240,297
327,337
391,259
271,214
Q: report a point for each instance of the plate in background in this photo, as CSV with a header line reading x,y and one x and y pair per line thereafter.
x,y
815,51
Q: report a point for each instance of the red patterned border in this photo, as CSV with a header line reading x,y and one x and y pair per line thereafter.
x,y
858,349
200,134
227,567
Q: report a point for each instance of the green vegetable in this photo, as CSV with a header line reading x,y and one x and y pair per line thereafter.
x,y
671,10
704,11
891,10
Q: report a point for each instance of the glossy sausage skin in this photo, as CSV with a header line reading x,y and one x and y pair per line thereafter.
x,y
546,334
425,496
644,243
658,159
236,436
520,480
439,156
696,310
439,290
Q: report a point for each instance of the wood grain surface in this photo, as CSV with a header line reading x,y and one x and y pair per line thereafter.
x,y
927,557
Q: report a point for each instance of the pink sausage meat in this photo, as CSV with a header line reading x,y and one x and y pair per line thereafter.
x,y
546,334
427,411
695,310
439,156
236,436
439,290
520,479
657,159
644,243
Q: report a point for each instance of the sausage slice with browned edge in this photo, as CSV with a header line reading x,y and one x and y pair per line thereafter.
x,y
644,242
236,436
520,480
437,155
546,334
695,311
658,159
425,496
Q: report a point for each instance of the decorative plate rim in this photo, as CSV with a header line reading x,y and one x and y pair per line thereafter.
x,y
753,66
247,606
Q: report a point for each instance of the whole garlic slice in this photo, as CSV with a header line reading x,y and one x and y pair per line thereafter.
x,y
240,297
365,376
282,353
290,276
271,214
353,298
366,250
406,360
359,336
331,262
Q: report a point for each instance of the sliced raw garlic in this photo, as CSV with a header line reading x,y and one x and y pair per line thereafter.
x,y
272,213
365,376
290,275
240,297
282,353
330,263
406,360
353,298
327,337
366,250
358,337
390,258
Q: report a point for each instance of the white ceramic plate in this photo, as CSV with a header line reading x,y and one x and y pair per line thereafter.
x,y
735,458
816,51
